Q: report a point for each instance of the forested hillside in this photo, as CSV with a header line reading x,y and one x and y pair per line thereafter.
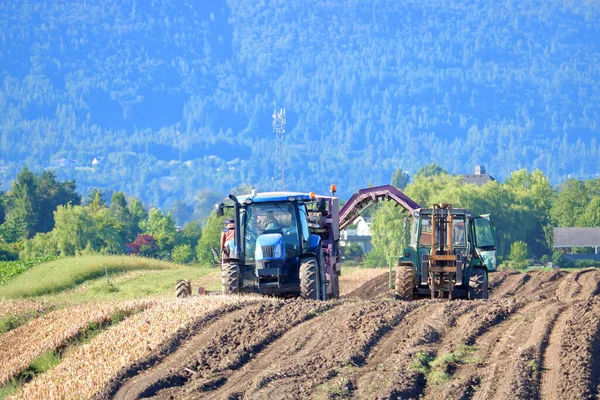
x,y
172,100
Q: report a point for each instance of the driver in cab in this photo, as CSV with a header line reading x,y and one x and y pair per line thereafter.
x,y
271,222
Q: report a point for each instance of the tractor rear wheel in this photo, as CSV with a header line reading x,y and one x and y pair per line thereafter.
x,y
310,287
183,288
230,278
478,284
404,282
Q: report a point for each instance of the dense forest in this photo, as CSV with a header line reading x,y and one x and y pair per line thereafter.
x,y
171,101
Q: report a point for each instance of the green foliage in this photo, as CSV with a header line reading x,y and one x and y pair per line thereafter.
x,y
439,370
590,216
429,171
421,362
162,227
137,213
190,234
518,252
120,213
211,236
12,321
570,203
31,203
10,269
78,229
388,230
43,363
400,178
183,254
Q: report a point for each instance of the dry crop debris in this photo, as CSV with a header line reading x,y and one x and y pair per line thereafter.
x,y
535,338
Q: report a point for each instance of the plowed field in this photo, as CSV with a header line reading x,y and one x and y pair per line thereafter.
x,y
537,337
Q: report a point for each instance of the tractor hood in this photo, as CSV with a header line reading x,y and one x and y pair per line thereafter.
x,y
269,247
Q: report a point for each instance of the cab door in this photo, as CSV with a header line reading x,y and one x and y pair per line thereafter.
x,y
485,241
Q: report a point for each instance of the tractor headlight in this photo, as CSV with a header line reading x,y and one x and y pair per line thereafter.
x,y
278,253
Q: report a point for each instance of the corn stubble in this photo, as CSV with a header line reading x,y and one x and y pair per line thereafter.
x,y
87,369
20,346
19,307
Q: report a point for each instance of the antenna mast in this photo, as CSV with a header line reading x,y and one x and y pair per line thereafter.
x,y
279,129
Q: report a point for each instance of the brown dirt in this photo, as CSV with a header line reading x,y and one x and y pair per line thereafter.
x,y
373,288
537,337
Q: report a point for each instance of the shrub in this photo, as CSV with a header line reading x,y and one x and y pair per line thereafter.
x,y
182,254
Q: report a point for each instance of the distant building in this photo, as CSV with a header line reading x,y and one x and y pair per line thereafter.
x,y
97,160
479,178
568,238
361,235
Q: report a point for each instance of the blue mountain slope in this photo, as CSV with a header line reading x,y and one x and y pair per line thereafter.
x,y
177,96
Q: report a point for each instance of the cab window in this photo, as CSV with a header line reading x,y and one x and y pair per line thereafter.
x,y
484,237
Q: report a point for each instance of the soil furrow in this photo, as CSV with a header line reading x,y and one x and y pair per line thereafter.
x,y
535,338
579,352
238,343
469,327
390,359
341,341
551,372
184,354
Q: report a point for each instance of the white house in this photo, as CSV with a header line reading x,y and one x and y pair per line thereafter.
x,y
361,235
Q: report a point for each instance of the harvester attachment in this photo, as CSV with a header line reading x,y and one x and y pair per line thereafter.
x,y
442,262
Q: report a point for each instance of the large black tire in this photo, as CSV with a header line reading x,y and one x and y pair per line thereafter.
x,y
478,284
404,282
183,288
310,287
230,278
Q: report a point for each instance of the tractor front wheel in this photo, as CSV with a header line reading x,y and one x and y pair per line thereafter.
x,y
478,284
404,282
230,278
183,288
310,287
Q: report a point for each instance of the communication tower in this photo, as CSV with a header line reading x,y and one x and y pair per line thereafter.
x,y
279,129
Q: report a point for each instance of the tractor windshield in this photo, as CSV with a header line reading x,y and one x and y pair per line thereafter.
x,y
424,236
265,218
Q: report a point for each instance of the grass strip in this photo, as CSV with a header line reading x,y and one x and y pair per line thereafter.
x,y
67,273
52,358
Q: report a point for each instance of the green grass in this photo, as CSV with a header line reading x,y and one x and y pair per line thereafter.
x,y
439,370
11,269
421,362
56,279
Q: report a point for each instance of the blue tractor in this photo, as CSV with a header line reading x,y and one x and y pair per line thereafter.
x,y
285,244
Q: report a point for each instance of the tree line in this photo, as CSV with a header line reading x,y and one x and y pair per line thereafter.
x,y
524,209
42,216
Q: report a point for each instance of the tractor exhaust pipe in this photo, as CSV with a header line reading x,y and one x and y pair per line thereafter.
x,y
237,239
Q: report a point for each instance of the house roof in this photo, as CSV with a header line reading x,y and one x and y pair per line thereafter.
x,y
478,179
576,237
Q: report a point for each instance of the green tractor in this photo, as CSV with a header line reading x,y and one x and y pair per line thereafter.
x,y
449,256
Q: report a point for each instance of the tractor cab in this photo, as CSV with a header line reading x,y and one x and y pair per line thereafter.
x,y
274,236
450,250
280,247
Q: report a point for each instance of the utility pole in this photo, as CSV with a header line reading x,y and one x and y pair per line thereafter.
x,y
279,129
